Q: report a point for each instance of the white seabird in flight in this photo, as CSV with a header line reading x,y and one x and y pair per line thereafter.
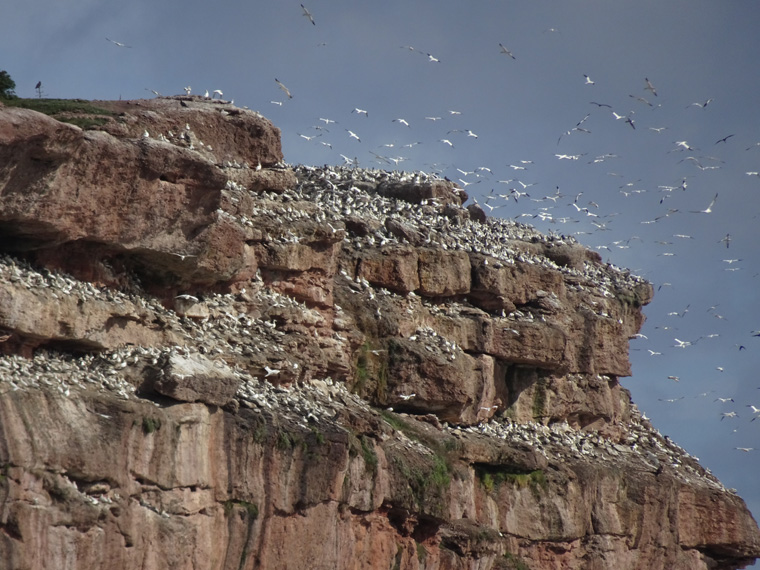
x,y
118,43
707,210
506,51
650,87
703,105
641,100
285,89
588,80
308,14
684,146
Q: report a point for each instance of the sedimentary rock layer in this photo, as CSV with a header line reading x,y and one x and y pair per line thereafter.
x,y
212,359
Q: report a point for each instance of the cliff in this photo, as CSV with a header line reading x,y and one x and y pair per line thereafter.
x,y
211,359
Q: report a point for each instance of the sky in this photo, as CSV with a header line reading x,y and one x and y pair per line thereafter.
x,y
657,190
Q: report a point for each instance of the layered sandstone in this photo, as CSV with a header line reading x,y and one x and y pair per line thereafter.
x,y
215,360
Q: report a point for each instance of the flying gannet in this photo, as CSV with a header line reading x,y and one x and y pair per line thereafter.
x,y
119,43
506,51
308,14
650,87
284,89
707,210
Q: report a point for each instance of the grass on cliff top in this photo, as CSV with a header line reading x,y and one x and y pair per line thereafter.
x,y
61,109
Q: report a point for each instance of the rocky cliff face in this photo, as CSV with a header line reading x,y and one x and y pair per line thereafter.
x,y
211,359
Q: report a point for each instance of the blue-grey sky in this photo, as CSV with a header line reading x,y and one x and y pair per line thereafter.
x,y
357,56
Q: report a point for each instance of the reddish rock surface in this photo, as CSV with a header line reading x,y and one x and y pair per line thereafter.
x,y
213,360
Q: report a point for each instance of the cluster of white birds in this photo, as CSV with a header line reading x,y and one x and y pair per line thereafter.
x,y
680,210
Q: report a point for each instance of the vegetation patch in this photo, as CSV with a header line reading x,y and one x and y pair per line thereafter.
x,y
371,373
426,474
493,476
428,479
362,374
539,399
248,510
287,440
510,562
149,425
260,433
630,297
75,111
395,422
319,437
422,553
368,453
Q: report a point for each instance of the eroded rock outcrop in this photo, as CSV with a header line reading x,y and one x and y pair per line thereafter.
x,y
214,360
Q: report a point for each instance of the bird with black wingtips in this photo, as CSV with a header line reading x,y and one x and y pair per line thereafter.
x,y
118,43
308,14
707,210
284,89
506,51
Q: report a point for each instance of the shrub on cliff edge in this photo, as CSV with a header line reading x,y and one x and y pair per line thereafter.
x,y
7,86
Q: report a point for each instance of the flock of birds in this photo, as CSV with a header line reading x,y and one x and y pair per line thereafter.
x,y
555,208
516,189
522,195
270,350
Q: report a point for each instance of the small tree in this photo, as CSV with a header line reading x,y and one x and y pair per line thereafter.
x,y
7,86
